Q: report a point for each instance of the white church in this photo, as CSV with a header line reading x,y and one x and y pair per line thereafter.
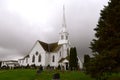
x,y
52,54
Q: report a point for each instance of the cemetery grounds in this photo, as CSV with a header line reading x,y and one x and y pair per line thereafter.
x,y
30,74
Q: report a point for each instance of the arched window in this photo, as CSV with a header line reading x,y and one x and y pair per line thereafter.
x,y
66,37
39,58
60,53
62,36
53,58
33,58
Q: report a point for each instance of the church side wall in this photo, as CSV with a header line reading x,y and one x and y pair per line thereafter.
x,y
55,62
47,59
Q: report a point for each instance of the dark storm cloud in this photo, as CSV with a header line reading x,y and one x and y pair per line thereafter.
x,y
21,26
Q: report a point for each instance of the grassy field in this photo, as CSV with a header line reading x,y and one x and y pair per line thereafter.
x,y
29,74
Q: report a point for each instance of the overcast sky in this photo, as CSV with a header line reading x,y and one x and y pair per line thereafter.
x,y
23,22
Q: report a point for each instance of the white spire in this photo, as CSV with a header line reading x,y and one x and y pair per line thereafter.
x,y
64,21
63,32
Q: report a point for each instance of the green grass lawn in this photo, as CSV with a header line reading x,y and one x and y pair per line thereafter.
x,y
29,74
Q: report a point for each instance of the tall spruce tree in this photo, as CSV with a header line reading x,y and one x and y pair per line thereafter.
x,y
75,58
86,61
0,63
106,46
73,61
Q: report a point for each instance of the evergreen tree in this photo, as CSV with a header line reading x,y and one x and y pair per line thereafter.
x,y
75,58
106,46
0,63
86,61
73,61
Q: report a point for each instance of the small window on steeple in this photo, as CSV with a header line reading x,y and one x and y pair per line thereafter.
x,y
60,53
62,36
66,37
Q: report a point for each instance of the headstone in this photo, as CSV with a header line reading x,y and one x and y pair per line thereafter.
x,y
56,76
40,69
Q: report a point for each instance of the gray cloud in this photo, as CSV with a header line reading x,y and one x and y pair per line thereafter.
x,y
20,29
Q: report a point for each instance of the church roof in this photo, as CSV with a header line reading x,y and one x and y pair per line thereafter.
x,y
62,59
52,47
27,56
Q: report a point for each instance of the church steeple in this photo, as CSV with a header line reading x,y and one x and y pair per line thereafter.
x,y
63,33
64,26
64,21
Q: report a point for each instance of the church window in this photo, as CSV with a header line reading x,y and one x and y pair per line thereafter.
x,y
66,37
33,58
60,53
39,58
53,58
36,53
62,36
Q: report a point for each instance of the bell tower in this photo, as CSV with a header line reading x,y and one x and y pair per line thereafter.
x,y
64,39
63,32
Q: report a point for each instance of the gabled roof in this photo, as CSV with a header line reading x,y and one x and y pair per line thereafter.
x,y
53,47
27,56
62,59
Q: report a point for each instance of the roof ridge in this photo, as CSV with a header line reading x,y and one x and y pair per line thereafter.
x,y
47,43
49,47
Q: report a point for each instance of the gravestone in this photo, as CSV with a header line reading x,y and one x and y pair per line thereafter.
x,y
56,76
40,69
